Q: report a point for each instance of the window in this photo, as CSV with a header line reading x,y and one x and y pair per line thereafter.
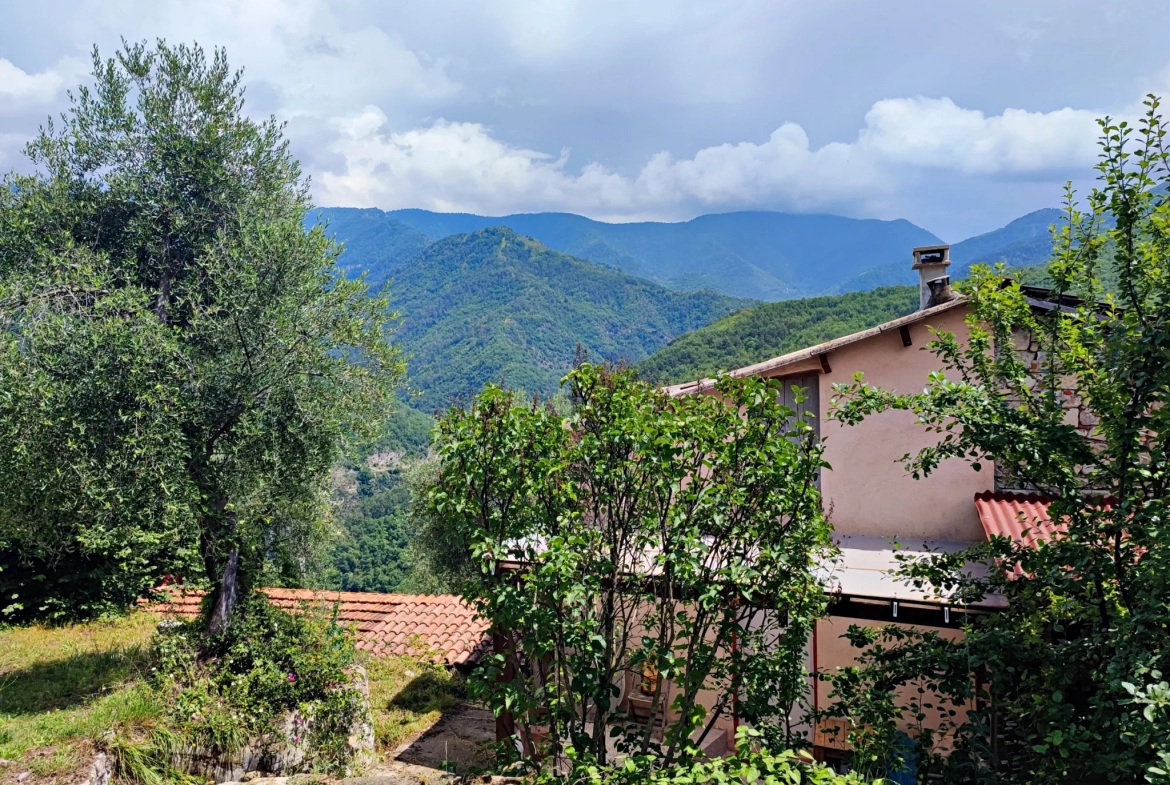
x,y
811,403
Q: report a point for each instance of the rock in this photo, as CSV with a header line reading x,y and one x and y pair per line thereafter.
x,y
100,771
22,776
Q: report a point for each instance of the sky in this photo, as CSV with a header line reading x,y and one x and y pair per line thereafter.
x,y
956,116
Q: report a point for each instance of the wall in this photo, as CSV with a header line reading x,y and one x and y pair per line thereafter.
x,y
834,651
867,491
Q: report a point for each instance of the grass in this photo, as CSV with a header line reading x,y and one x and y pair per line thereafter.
x,y
408,696
62,688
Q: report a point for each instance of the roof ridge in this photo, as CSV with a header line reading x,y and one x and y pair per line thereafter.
x,y
1013,496
811,352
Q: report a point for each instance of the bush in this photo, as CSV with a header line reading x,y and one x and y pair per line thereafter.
x,y
752,765
239,688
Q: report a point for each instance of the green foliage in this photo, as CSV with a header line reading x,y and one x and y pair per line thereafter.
x,y
179,358
372,494
755,334
371,552
497,307
269,664
646,532
1069,676
439,557
750,765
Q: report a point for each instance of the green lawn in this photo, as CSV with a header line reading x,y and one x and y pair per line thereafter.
x,y
62,688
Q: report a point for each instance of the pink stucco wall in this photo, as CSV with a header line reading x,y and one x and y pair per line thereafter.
x,y
868,491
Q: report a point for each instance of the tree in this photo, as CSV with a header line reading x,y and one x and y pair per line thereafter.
x,y
1070,678
180,358
639,539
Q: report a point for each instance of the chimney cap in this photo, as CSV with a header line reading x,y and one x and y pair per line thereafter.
x,y
932,256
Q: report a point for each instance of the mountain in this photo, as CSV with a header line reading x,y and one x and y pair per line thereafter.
x,y
1025,242
755,334
374,243
494,306
763,255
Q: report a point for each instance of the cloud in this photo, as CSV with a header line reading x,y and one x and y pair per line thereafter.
x,y
20,89
661,109
934,132
461,166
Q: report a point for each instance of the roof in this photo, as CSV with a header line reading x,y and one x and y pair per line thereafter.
x,y
865,569
439,626
1023,517
768,367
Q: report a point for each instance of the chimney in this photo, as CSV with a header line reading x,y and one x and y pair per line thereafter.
x,y
934,285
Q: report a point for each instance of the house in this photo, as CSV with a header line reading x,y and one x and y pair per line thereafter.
x,y
877,509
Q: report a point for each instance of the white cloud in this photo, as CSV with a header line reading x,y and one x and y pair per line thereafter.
x,y
20,89
670,108
935,132
463,167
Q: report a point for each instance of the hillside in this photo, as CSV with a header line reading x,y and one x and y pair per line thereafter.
x,y
374,244
493,306
772,329
763,255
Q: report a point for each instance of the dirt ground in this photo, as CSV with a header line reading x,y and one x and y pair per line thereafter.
x,y
458,743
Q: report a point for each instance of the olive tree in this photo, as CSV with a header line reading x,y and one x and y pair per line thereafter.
x,y
640,539
180,360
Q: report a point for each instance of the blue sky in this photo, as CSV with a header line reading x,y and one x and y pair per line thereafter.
x,y
957,116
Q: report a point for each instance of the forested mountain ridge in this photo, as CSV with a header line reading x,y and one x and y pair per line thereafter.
x,y
763,255
769,330
1024,242
373,243
494,306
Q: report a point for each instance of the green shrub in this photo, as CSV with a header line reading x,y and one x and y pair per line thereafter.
x,y
238,688
752,765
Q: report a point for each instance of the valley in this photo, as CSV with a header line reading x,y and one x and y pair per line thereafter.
x,y
513,300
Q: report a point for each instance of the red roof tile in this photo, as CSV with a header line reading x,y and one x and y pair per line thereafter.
x,y
439,626
1021,516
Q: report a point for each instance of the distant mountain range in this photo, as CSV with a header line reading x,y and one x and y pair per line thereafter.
x,y
762,255
481,302
494,306
1025,242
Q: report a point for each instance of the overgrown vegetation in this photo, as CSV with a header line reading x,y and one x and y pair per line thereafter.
x,y
372,495
408,695
1069,683
274,680
751,764
641,540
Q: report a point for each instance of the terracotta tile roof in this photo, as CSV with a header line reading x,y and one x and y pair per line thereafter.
x,y
1021,516
441,626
